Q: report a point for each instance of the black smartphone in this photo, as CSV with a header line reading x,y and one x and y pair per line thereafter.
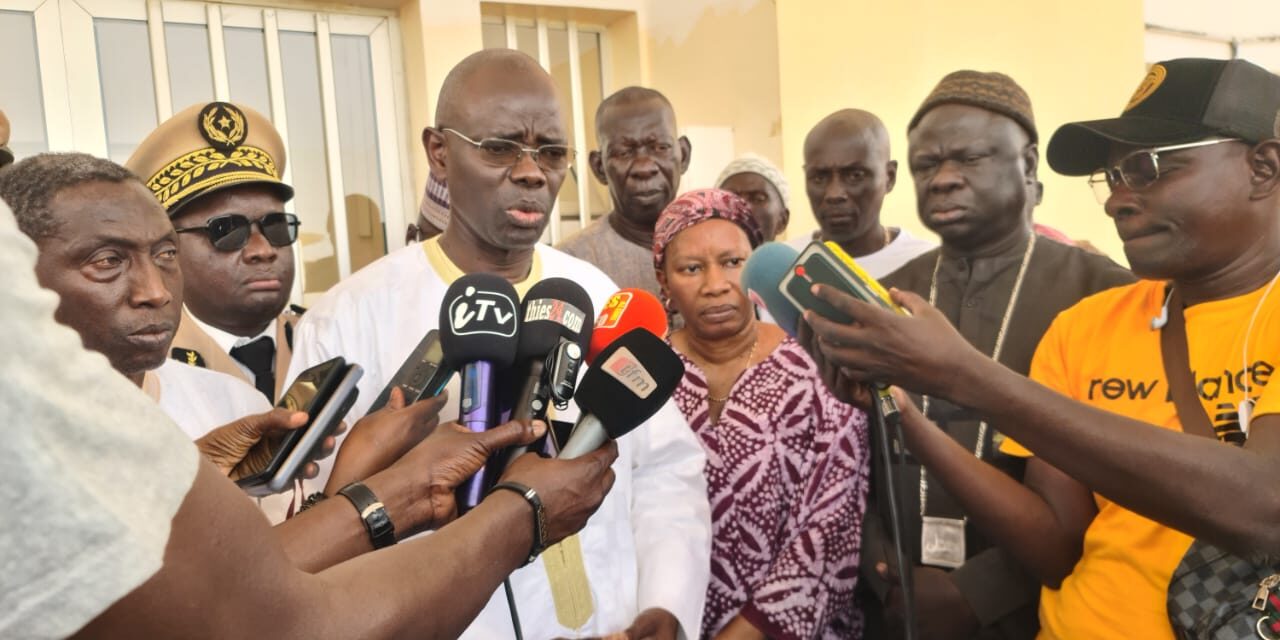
x,y
325,392
422,375
828,264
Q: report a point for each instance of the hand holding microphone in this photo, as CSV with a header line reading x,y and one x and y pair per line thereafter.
x,y
556,325
479,327
570,490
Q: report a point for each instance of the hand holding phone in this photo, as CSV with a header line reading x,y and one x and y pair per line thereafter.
x,y
828,264
422,375
325,393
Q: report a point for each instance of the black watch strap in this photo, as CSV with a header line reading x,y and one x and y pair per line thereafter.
x,y
376,521
539,516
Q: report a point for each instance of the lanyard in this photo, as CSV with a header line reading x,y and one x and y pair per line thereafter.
x,y
995,353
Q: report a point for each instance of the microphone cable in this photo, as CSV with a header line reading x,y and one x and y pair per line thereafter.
x,y
885,414
511,606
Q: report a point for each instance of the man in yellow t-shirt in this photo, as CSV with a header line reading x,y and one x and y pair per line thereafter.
x,y
1103,352
1114,491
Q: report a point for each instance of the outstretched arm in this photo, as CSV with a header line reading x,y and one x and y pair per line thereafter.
x,y
1168,476
225,574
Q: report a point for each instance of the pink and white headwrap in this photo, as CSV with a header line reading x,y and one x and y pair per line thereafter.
x,y
697,206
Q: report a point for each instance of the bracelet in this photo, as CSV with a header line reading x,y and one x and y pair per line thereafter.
x,y
312,500
539,516
372,512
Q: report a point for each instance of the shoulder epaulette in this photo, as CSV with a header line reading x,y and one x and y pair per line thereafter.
x,y
188,356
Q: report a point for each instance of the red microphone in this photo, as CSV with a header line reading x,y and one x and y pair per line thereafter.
x,y
626,310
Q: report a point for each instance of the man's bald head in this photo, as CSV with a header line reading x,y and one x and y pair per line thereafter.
x,y
850,123
486,76
640,157
500,201
629,97
847,172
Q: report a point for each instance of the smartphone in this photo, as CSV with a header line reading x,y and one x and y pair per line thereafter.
x,y
325,392
422,375
830,265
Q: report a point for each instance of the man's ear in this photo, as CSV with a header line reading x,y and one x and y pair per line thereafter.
x,y
1031,158
596,161
783,221
686,153
437,152
891,175
1264,169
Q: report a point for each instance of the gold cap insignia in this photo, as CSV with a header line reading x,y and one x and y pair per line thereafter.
x,y
229,144
223,125
1148,86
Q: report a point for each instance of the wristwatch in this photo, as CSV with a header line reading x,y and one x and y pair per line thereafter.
x,y
539,516
376,521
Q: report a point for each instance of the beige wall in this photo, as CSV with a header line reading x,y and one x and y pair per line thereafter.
x,y
1077,60
717,60
437,34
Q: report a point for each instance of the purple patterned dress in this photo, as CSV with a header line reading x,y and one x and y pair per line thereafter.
x,y
787,469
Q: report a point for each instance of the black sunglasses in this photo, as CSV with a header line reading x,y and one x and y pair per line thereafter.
x,y
230,232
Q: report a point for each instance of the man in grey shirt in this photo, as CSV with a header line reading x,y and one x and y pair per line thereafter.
x,y
641,159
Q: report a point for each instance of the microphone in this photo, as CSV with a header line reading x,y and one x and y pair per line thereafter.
x,y
626,310
760,277
479,323
556,324
631,379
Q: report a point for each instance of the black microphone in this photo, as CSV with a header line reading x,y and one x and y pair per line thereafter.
x,y
631,379
479,327
556,322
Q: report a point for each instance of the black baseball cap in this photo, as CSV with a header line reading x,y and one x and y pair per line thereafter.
x,y
1182,100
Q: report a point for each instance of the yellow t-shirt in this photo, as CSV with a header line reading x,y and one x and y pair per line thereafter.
x,y
1104,353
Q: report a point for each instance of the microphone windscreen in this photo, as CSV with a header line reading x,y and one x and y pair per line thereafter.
x,y
760,277
626,310
480,321
631,379
554,308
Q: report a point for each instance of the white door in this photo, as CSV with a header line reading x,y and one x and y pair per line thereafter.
x,y
98,75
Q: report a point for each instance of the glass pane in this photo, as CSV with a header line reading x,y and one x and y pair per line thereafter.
x,y
494,36
527,41
303,107
592,95
190,72
558,50
21,94
358,135
128,94
247,68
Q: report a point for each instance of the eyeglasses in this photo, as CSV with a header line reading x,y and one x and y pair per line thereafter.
x,y
231,231
1138,170
506,153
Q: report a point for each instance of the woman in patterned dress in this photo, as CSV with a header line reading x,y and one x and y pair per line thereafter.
x,y
787,463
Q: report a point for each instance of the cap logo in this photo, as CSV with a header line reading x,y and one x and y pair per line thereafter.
x,y
1153,80
223,125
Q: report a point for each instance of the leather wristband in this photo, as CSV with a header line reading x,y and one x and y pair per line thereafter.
x,y
539,516
372,512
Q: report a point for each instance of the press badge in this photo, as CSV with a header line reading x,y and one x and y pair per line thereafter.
x,y
942,542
